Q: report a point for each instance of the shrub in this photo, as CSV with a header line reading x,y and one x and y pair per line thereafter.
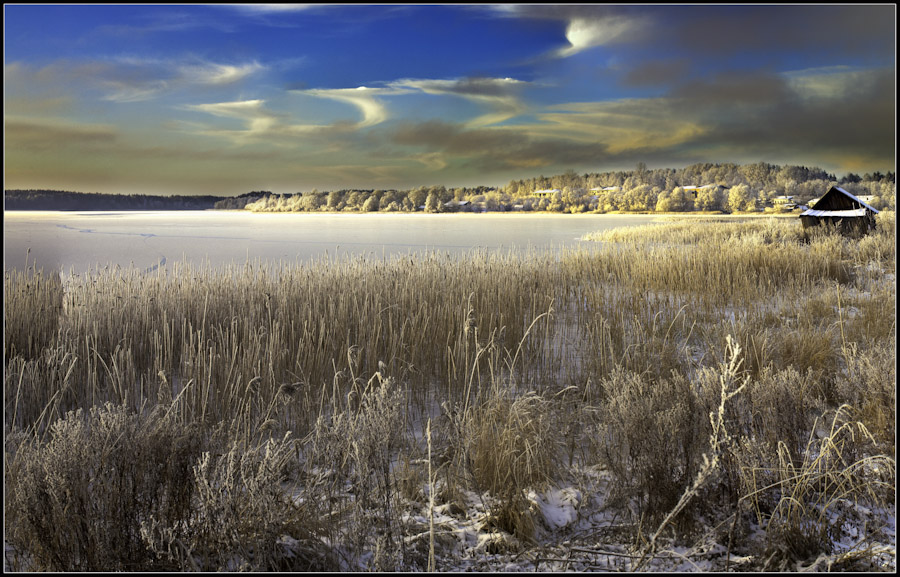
x,y
814,496
652,432
246,518
512,445
869,385
75,502
350,454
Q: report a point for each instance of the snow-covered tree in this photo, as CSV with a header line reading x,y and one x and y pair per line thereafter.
x,y
741,198
432,203
710,198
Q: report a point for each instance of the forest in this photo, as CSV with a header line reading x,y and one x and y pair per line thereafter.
x,y
702,187
705,187
67,200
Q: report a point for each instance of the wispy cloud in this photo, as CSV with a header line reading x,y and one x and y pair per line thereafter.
x,y
560,136
485,89
214,73
273,15
129,78
261,125
498,94
257,121
620,125
133,90
171,20
244,109
363,98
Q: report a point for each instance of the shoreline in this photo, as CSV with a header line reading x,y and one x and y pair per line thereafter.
x,y
515,213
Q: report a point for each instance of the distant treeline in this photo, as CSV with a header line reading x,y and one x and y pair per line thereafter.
x,y
726,187
66,200
699,187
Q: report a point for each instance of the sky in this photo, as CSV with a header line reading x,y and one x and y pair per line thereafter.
x,y
226,99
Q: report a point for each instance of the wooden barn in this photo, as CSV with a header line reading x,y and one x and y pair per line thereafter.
x,y
840,208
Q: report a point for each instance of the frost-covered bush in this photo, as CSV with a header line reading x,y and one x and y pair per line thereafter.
x,y
76,501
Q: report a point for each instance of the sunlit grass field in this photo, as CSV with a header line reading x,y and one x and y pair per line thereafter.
x,y
718,371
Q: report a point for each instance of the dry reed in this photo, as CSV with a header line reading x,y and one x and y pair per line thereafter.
x,y
516,348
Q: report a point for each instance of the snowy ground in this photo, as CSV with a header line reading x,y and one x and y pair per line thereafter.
x,y
577,532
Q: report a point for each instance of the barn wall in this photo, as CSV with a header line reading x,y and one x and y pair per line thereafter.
x,y
850,226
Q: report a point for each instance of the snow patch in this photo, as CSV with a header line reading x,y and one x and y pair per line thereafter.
x,y
558,507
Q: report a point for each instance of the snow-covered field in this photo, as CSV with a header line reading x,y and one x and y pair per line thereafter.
x,y
577,529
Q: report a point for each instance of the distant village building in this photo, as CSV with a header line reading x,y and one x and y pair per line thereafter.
x,y
840,208
785,202
546,192
457,205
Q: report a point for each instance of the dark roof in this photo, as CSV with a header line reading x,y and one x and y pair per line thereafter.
x,y
838,199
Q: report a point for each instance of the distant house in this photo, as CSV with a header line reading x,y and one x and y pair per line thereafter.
x,y
840,208
546,192
785,202
607,189
457,205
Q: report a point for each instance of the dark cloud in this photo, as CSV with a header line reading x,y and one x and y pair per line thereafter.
x,y
497,149
34,135
657,72
454,139
720,32
762,113
827,117
732,89
820,117
731,30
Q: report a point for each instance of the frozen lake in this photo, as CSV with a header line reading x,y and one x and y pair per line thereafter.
x,y
146,240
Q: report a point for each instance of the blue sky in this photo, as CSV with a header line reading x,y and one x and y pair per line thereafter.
x,y
216,99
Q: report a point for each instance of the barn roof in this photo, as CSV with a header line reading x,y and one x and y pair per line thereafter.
x,y
839,200
836,213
